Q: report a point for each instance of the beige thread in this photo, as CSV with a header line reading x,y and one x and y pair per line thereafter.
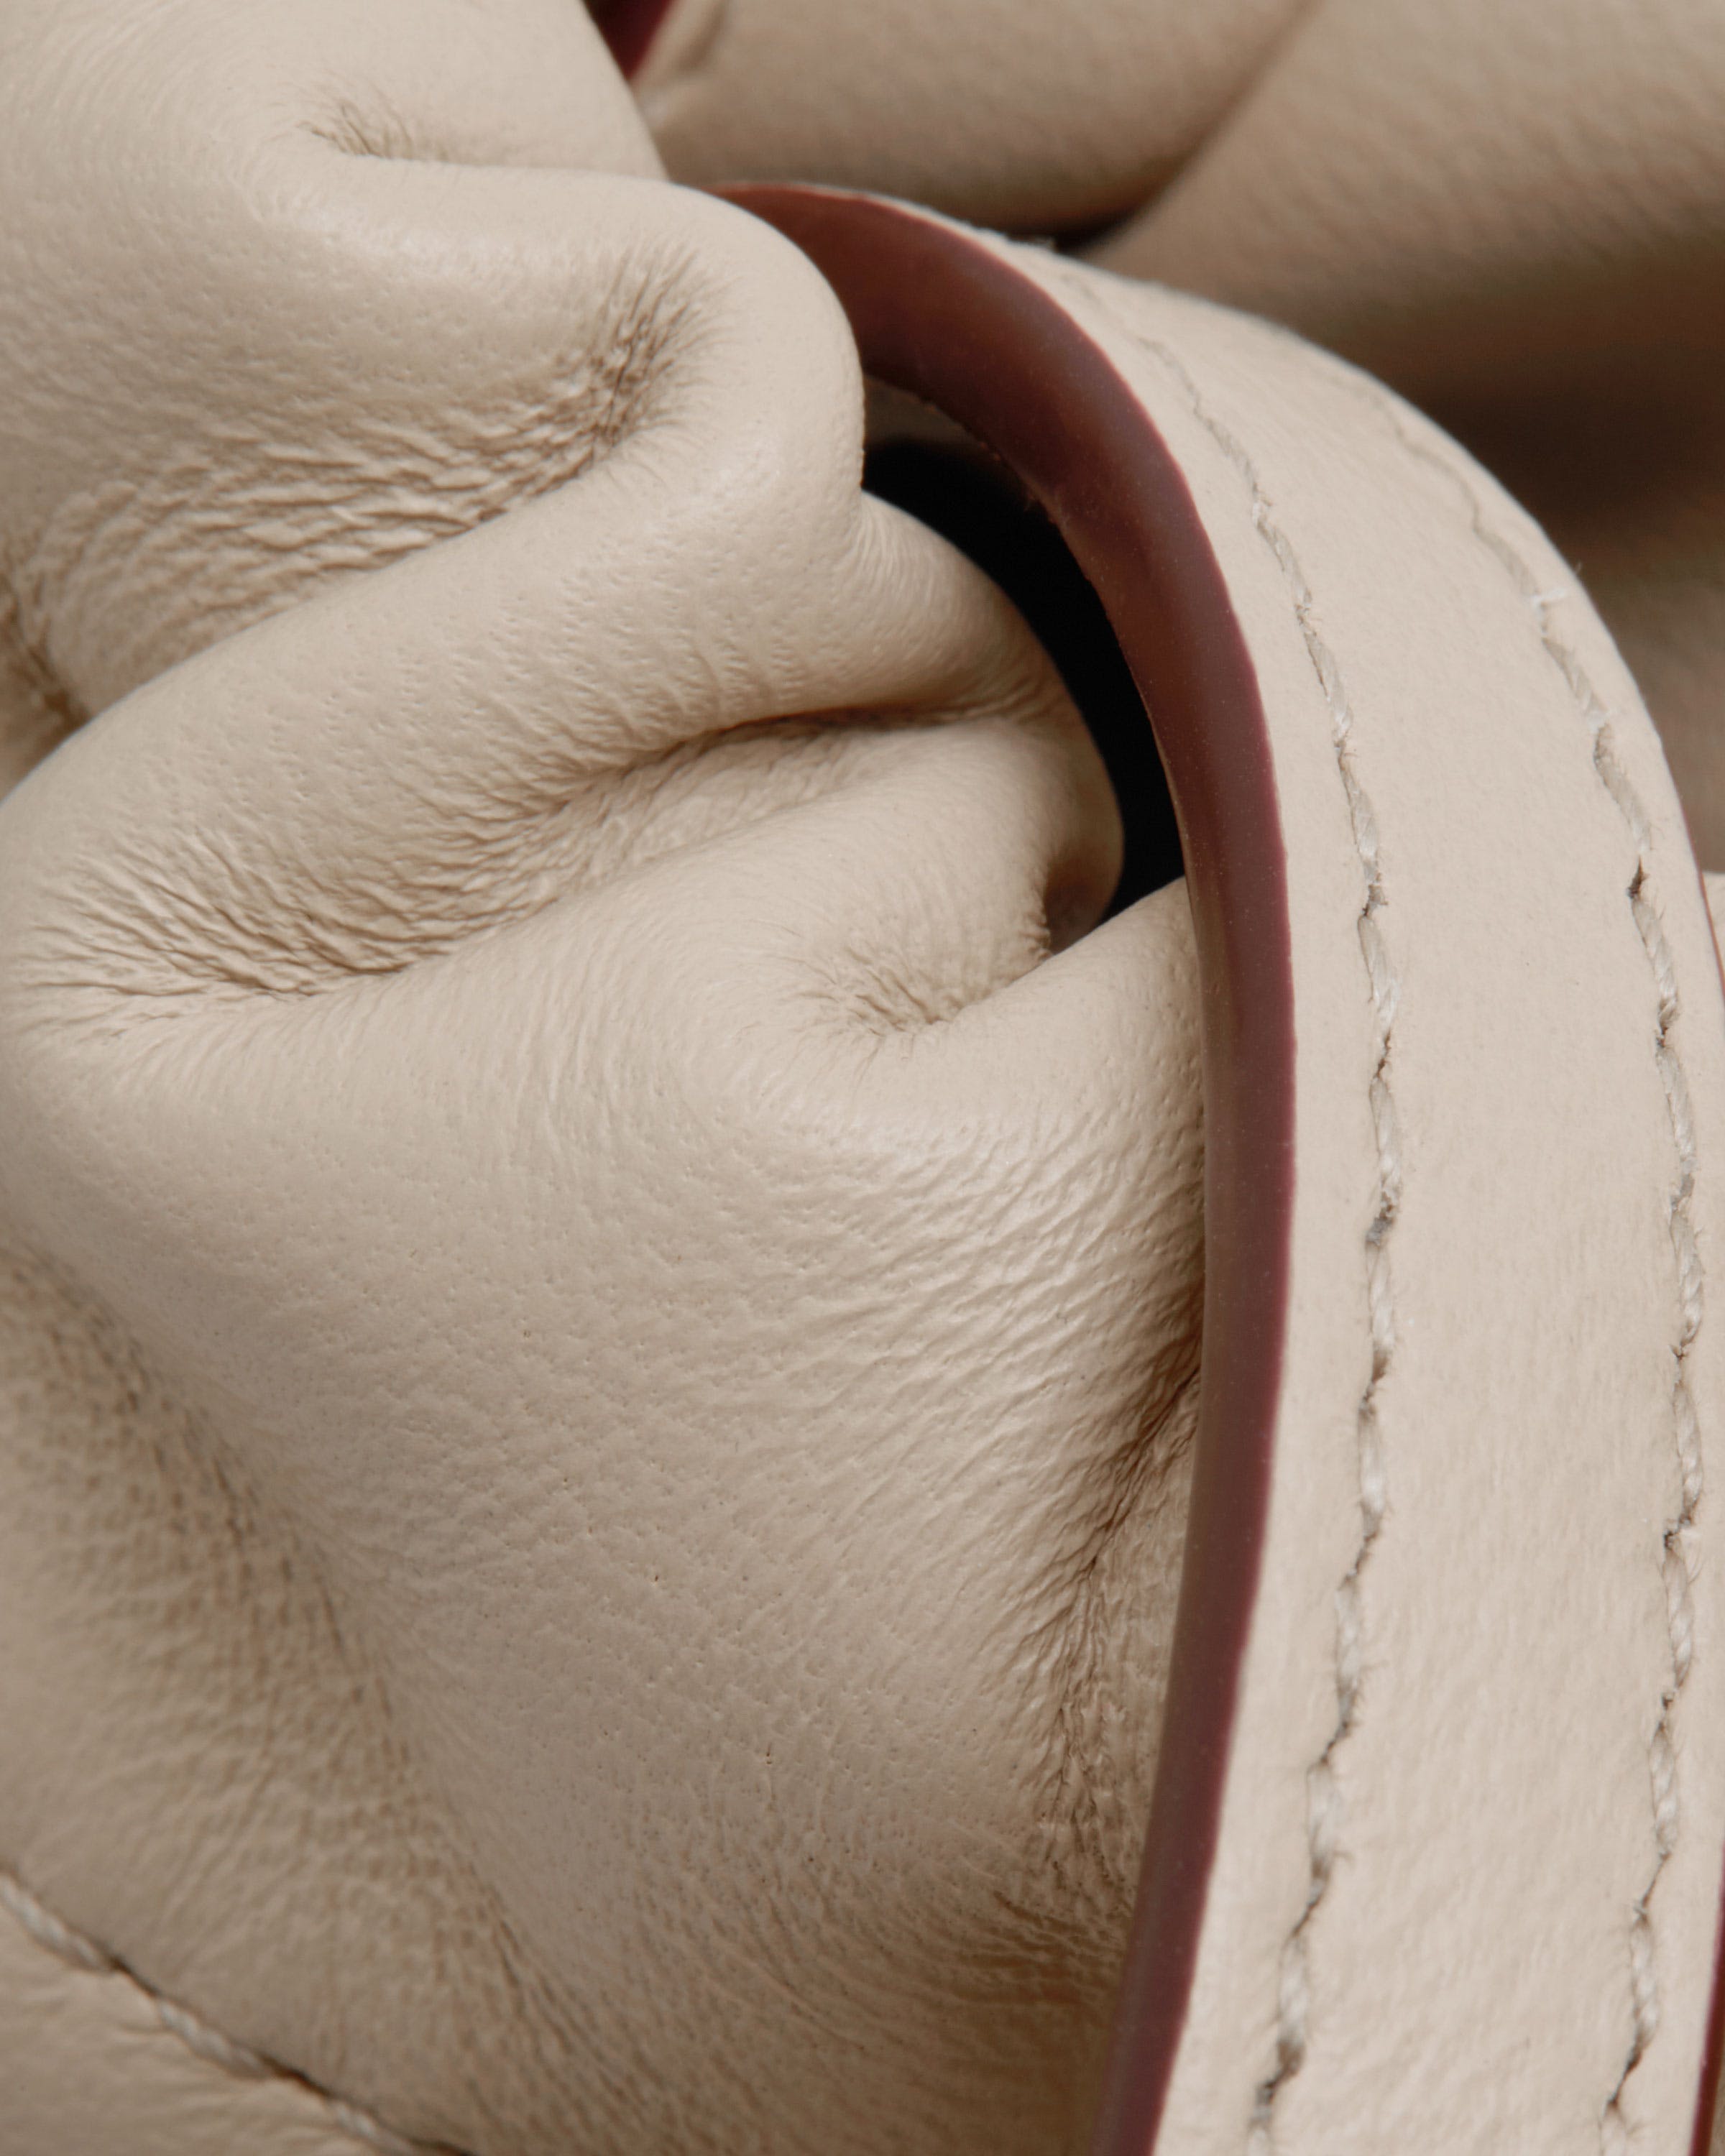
x,y
1324,1803
237,2059
1677,1566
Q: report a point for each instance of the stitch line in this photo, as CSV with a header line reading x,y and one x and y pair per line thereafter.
x,y
1677,1560
237,2059
1325,1805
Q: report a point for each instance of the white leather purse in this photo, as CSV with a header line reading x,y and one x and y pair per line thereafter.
x,y
691,1459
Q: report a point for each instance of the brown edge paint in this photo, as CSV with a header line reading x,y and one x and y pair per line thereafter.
x,y
628,28
1707,2096
942,316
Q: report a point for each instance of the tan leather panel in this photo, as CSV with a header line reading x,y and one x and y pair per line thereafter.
x,y
1518,214
1462,1737
566,1513
1470,1411
1514,213
92,2064
1008,112
599,1324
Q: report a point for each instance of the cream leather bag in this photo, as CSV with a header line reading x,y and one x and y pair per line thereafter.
x,y
1516,214
658,1398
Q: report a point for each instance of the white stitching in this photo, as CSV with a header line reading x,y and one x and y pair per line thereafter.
x,y
1324,1802
204,2042
1676,1562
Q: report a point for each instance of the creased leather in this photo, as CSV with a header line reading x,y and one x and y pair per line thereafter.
x,y
1514,213
598,1347
569,1559
1026,116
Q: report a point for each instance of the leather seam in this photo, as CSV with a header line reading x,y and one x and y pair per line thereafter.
x,y
1324,1803
1676,1560
1324,1806
76,1950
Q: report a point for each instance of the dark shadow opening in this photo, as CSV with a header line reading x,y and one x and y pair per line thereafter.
x,y
957,489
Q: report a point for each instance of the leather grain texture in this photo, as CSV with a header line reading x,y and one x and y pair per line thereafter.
x,y
600,1330
93,2064
1518,215
1514,214
570,1563
1023,115
1447,1063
